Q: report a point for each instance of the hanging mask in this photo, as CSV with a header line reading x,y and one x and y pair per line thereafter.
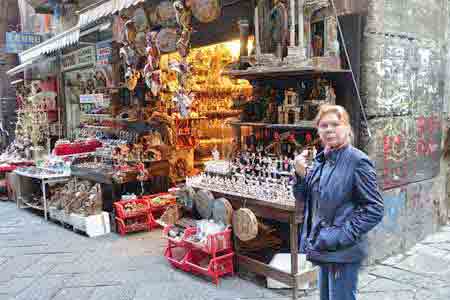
x,y
130,31
183,102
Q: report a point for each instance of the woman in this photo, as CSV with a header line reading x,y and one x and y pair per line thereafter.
x,y
342,203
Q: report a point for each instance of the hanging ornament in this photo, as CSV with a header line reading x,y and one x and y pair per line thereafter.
x,y
130,31
206,10
182,70
184,20
183,102
153,82
152,74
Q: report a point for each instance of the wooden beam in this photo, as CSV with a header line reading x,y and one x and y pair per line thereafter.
x,y
260,268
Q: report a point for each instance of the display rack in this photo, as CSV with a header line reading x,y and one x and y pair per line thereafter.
x,y
285,71
45,179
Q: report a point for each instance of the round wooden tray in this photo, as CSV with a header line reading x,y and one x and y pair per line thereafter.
x,y
223,211
204,201
245,224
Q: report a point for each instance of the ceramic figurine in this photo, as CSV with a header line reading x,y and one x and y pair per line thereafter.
x,y
184,20
278,26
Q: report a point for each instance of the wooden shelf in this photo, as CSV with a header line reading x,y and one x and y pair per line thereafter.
x,y
33,206
282,72
104,116
302,125
98,127
252,124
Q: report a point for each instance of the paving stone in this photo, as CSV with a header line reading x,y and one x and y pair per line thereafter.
x,y
168,291
424,249
14,286
386,285
95,279
43,289
74,293
365,279
395,260
434,294
23,250
441,246
236,287
427,264
74,268
37,269
440,237
396,295
122,292
407,277
3,260
60,258
147,262
17,264
133,267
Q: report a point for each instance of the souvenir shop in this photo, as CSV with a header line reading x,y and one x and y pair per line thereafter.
x,y
187,116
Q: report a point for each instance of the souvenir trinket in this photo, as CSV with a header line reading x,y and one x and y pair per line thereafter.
x,y
184,20
245,224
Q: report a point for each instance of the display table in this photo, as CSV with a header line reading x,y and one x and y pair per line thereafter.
x,y
112,191
44,179
291,214
5,171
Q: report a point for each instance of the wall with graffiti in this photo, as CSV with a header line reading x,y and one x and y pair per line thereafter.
x,y
403,83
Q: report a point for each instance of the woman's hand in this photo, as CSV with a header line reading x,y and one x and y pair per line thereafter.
x,y
300,163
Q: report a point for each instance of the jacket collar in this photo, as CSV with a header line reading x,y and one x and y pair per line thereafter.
x,y
331,155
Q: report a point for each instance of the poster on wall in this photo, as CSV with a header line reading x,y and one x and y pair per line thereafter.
x,y
103,66
17,42
76,83
79,82
80,58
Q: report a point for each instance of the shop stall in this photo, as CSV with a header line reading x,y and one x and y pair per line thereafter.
x,y
199,140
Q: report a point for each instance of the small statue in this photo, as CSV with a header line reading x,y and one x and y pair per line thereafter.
x,y
278,25
215,153
275,146
152,74
130,31
184,20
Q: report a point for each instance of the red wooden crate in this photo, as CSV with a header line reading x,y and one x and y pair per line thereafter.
x,y
215,243
120,208
198,262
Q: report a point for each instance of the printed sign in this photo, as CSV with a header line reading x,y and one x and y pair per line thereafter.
x,y
100,99
104,52
16,42
79,58
103,69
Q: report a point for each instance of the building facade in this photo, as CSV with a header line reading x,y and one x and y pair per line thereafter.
x,y
404,88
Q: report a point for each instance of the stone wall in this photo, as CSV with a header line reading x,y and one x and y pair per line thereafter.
x,y
403,87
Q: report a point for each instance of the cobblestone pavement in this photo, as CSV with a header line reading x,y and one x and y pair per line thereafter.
x,y
41,260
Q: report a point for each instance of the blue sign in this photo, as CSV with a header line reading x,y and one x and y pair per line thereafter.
x,y
17,42
104,52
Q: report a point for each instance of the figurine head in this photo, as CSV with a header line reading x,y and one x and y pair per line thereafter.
x,y
276,136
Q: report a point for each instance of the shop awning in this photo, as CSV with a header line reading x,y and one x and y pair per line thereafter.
x,y
94,12
18,69
57,42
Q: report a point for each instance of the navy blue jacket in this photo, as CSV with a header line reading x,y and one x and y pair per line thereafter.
x,y
349,206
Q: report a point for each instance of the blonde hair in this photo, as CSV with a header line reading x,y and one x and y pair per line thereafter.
x,y
340,112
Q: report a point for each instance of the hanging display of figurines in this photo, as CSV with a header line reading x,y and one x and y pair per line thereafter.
x,y
129,56
184,20
152,73
297,33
